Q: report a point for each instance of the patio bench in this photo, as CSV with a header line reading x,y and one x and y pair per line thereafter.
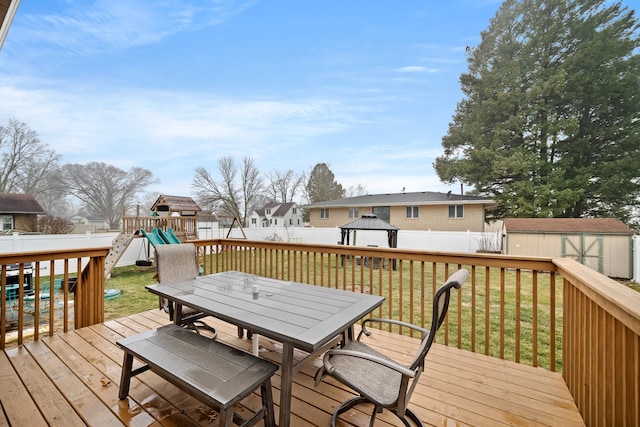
x,y
216,374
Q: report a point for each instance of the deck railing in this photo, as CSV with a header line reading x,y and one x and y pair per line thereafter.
x,y
179,224
51,283
551,313
554,314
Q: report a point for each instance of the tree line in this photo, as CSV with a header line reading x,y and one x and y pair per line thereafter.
x,y
98,189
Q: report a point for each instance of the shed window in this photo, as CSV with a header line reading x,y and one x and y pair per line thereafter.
x,y
353,213
456,211
7,222
324,213
413,211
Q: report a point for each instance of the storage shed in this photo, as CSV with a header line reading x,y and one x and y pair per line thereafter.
x,y
604,244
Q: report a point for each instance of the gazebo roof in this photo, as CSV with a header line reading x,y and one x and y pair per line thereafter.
x,y
369,222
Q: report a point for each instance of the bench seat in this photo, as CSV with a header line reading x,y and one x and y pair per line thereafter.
x,y
215,373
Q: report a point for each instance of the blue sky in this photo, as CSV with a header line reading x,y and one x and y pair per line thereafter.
x,y
368,87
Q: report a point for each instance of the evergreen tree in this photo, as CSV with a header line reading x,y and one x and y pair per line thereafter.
x,y
322,185
550,122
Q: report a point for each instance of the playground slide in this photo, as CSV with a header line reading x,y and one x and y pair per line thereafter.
x,y
154,238
169,236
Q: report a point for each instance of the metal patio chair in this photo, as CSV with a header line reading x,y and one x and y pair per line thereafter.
x,y
176,263
379,379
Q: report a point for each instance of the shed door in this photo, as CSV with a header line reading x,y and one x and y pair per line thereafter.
x,y
584,248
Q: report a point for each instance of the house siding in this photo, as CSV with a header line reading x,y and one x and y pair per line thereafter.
x,y
431,217
25,222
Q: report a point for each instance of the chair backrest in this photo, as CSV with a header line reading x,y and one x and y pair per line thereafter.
x,y
176,262
440,306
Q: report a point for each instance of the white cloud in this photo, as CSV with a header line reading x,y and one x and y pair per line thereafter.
x,y
81,26
416,69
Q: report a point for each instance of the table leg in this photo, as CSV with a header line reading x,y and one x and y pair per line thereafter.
x,y
286,386
255,344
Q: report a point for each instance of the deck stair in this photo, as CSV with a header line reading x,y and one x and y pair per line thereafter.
x,y
120,245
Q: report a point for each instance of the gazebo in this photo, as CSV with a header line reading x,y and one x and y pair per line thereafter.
x,y
369,222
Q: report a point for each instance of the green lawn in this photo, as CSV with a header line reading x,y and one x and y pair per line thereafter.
x,y
134,298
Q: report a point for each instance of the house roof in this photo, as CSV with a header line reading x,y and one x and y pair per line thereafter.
x,y
12,203
567,225
402,199
176,204
8,9
283,209
369,222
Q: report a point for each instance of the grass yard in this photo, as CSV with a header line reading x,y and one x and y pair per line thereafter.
x,y
134,298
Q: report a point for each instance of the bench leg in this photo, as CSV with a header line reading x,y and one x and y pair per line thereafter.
x,y
125,378
267,403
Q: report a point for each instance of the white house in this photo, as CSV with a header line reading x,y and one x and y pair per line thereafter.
x,y
276,215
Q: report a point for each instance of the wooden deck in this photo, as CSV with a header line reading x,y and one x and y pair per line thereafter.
x,y
72,379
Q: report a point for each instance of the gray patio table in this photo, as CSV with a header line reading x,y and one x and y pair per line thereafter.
x,y
305,317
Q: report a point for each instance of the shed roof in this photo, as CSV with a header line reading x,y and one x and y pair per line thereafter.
x,y
369,222
567,225
12,203
176,203
403,199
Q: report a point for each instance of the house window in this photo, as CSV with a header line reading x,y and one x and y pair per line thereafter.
x,y
253,221
275,221
290,221
294,210
7,222
324,213
456,211
382,212
267,211
353,213
413,211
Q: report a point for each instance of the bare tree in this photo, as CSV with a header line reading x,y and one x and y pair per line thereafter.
x,y
228,196
252,186
28,165
284,186
50,224
105,189
358,190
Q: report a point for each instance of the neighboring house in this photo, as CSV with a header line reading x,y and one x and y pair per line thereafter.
x,y
19,212
425,210
276,215
175,206
604,244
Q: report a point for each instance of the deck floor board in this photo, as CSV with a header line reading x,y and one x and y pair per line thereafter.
x,y
73,378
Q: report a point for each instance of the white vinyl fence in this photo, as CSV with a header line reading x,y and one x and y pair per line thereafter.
x,y
425,240
42,242
421,240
